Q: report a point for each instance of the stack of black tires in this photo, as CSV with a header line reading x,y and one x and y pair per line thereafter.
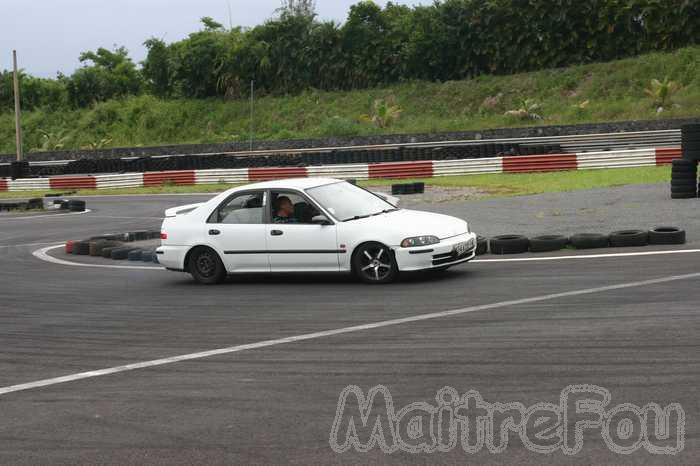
x,y
684,174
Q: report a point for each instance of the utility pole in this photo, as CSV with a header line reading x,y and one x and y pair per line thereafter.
x,y
252,109
18,126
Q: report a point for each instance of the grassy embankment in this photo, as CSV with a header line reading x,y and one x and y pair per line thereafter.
x,y
496,185
614,91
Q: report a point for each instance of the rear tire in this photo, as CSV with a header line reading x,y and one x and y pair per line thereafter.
x,y
374,263
205,266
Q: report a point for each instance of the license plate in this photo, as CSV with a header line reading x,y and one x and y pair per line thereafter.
x,y
461,248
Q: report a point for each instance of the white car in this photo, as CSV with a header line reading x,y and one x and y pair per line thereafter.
x,y
309,225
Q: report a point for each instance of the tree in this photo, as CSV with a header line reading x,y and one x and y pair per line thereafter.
x,y
156,68
106,74
305,8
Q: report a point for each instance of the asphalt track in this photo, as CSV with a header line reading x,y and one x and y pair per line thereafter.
x,y
276,404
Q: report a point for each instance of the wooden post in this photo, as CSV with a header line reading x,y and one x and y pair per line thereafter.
x,y
18,126
252,114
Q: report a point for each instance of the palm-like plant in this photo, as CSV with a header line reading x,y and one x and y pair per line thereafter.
x,y
527,110
384,113
98,144
661,92
53,141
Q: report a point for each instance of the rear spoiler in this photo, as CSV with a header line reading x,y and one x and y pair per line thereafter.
x,y
181,210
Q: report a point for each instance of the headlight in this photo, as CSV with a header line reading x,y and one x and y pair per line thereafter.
x,y
419,241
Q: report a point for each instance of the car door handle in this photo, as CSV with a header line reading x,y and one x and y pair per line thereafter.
x,y
214,232
276,232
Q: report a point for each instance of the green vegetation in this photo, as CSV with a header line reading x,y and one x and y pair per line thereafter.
x,y
610,91
446,66
495,185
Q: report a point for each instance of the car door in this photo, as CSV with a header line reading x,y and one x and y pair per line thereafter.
x,y
296,243
237,230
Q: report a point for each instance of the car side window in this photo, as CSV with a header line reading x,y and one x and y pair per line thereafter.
x,y
288,207
244,209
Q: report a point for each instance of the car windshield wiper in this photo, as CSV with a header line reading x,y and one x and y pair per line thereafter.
x,y
356,217
385,211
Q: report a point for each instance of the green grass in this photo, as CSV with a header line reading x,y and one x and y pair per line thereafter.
x,y
495,185
615,92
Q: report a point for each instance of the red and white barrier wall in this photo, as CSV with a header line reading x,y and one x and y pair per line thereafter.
x,y
418,169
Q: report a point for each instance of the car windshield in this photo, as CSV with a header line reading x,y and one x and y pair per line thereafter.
x,y
347,202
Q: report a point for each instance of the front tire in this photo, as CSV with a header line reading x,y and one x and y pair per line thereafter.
x,y
206,267
374,263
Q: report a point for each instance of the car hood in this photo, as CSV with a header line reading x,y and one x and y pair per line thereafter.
x,y
407,223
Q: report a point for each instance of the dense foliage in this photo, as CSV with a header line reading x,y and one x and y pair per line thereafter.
x,y
449,40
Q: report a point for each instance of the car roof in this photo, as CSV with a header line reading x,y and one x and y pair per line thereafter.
x,y
290,183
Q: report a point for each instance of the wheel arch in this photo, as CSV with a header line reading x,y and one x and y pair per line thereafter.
x,y
186,264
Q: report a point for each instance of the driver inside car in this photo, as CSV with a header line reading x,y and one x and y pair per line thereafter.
x,y
284,211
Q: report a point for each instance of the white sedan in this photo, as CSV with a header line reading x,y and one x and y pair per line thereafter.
x,y
309,225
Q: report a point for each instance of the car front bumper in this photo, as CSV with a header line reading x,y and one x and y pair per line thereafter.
x,y
436,256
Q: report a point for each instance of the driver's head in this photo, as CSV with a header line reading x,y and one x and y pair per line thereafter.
x,y
283,206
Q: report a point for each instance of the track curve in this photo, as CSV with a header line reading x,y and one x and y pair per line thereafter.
x,y
277,404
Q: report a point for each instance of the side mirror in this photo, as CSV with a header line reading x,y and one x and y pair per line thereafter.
x,y
320,220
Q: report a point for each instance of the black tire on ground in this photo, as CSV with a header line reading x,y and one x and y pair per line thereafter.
x,y
666,235
683,178
205,266
64,204
419,187
147,255
76,205
121,253
397,189
628,238
683,195
509,244
482,245
374,263
154,234
96,247
135,255
693,155
81,248
589,241
548,243
107,251
683,165
102,244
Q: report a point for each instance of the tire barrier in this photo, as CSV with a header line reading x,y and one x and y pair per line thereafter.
x,y
121,253
81,248
419,165
509,244
690,141
135,255
590,241
666,235
684,179
629,238
107,247
107,251
31,204
408,188
548,243
76,205
684,174
482,245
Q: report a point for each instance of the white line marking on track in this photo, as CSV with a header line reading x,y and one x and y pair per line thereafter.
x,y
330,333
31,217
42,254
25,244
590,256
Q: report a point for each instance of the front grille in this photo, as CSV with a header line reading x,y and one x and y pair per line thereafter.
x,y
448,257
